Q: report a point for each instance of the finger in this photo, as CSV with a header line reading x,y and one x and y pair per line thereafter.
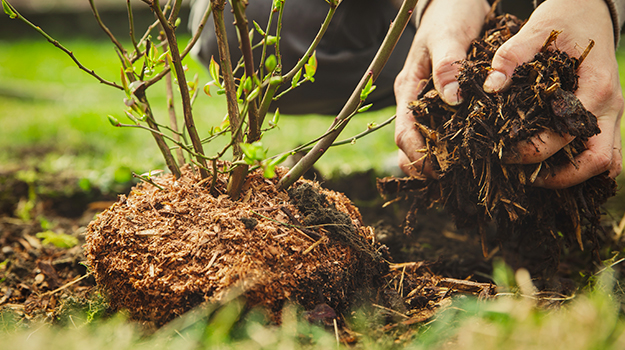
x,y
537,148
410,141
449,39
517,50
601,155
445,71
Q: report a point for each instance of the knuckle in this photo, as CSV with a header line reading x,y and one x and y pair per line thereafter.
x,y
605,90
603,161
445,69
400,136
506,56
400,80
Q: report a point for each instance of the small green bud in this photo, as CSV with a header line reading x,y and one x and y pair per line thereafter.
x,y
8,9
276,118
365,108
296,78
113,121
271,40
369,87
276,81
247,84
270,63
253,94
177,23
259,29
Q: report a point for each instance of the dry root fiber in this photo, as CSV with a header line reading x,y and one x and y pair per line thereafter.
x,y
157,253
467,145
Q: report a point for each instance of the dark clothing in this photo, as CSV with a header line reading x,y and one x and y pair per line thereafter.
x,y
344,54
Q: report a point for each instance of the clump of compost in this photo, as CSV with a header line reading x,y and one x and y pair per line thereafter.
x,y
467,145
159,252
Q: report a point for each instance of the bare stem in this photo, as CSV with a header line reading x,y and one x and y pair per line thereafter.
x,y
182,84
158,136
248,62
187,49
237,177
396,29
119,46
131,23
173,122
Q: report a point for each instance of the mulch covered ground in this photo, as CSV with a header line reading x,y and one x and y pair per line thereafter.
x,y
157,254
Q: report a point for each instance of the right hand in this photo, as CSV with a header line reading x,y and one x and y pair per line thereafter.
x,y
445,32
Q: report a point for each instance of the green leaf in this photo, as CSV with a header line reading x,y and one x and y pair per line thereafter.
x,y
276,118
296,78
125,82
269,171
8,9
240,88
60,240
207,87
280,159
311,67
254,151
213,69
171,65
259,29
369,87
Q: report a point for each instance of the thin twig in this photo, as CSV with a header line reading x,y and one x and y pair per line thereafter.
x,y
131,24
182,84
114,40
62,48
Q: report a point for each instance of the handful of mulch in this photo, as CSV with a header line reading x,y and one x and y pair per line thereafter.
x,y
466,144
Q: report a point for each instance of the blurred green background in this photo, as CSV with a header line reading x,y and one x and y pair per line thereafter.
x,y
54,116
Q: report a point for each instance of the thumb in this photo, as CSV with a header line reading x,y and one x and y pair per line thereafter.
x,y
517,50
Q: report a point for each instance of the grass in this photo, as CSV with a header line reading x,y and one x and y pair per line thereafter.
x,y
592,320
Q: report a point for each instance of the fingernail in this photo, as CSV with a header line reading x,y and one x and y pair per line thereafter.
x,y
450,94
494,82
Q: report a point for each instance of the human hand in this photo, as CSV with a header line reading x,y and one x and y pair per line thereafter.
x,y
445,32
599,88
